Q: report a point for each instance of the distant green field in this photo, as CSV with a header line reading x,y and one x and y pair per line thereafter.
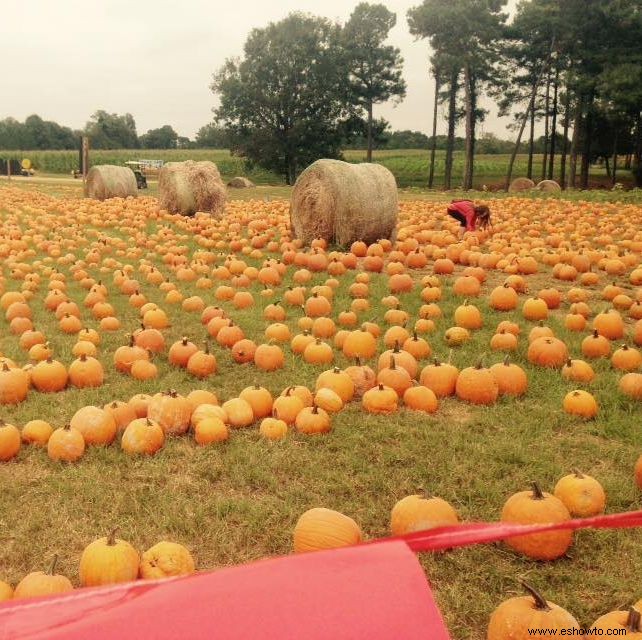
x,y
410,166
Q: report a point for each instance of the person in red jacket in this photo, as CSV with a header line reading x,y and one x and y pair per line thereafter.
x,y
469,216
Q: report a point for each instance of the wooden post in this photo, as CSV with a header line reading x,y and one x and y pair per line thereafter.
x,y
85,158
9,169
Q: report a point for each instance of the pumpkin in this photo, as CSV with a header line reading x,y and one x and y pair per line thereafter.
x,y
9,441
440,377
363,378
181,351
320,528
36,432
328,400
596,346
97,426
511,378
580,403
166,560
535,309
526,616
338,381
477,385
620,623
468,316
239,412
38,584
609,324
503,298
578,371
108,561
547,352
139,403
626,359
503,341
208,411
313,420
260,399
202,363
142,437
318,352
210,430
402,359
582,495
269,357
171,411
302,393
126,355
631,385
456,336
537,507
49,376
380,400
86,372
419,513
66,444
396,378
273,429
421,398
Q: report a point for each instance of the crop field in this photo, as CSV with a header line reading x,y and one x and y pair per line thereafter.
x,y
196,330
409,166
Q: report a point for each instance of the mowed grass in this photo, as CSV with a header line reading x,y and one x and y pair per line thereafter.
x,y
240,501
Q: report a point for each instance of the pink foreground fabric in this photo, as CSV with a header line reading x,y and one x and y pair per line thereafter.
x,y
377,590
373,591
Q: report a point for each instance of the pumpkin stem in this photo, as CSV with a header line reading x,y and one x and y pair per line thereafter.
x,y
149,422
358,361
184,340
569,363
507,361
633,621
540,601
111,538
577,473
315,409
537,492
595,333
52,568
393,365
337,370
380,387
450,356
5,366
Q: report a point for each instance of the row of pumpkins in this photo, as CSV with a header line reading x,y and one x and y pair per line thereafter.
x,y
111,560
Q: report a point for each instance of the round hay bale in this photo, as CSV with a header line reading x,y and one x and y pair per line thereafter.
x,y
240,183
109,181
520,184
342,202
188,187
549,186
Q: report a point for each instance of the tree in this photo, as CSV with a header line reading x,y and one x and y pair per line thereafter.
x,y
162,138
467,33
112,131
375,69
211,136
283,104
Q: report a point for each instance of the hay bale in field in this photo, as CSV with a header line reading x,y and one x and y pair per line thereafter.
x,y
549,186
109,181
521,184
240,183
343,202
188,187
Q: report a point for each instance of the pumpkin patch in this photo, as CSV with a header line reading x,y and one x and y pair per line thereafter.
x,y
216,381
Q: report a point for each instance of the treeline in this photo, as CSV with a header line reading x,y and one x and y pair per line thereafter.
x,y
306,86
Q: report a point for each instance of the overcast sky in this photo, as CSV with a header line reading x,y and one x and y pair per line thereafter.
x,y
64,59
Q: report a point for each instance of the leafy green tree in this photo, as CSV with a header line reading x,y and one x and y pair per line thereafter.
x,y
283,104
162,138
112,131
465,36
211,136
375,69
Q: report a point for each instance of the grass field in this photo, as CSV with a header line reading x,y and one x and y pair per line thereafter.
x,y
240,500
410,166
